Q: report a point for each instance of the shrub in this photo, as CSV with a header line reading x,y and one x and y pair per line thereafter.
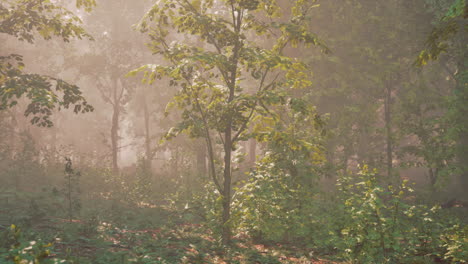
x,y
384,227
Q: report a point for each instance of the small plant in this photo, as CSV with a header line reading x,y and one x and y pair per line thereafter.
x,y
72,188
455,240
13,249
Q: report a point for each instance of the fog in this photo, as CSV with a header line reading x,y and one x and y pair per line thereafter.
x,y
243,131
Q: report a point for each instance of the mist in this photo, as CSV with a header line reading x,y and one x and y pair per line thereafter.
x,y
240,131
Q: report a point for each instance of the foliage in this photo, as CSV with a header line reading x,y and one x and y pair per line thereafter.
x,y
278,199
449,27
385,227
209,202
135,188
272,206
422,113
39,89
46,18
447,44
21,163
22,19
14,250
143,183
455,241
234,75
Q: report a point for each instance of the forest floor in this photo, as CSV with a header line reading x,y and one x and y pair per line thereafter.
x,y
181,243
147,235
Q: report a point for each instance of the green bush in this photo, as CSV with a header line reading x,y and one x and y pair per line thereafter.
x,y
268,207
384,227
277,205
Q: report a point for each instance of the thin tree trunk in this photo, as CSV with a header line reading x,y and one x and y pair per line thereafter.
x,y
115,138
70,216
149,154
226,230
345,162
252,152
462,94
388,128
433,178
201,160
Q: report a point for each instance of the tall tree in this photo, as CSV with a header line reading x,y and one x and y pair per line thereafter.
x,y
359,84
107,61
448,43
213,79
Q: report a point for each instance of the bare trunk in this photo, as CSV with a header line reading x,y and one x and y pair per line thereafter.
x,y
149,154
201,160
252,152
115,138
462,93
433,178
388,128
346,155
70,216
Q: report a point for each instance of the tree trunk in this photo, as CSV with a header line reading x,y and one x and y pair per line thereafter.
x,y
462,108
115,138
388,128
346,155
226,229
201,160
148,154
252,152
228,145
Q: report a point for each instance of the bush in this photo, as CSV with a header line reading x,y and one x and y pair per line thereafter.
x,y
384,227
277,205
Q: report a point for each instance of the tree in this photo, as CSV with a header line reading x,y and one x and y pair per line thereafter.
x,y
229,80
22,19
106,70
447,43
360,84
421,115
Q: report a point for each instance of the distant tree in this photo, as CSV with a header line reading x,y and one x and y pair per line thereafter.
x,y
214,76
25,20
447,43
360,84
106,69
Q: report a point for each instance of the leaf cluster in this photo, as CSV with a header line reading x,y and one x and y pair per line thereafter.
x,y
45,93
23,18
